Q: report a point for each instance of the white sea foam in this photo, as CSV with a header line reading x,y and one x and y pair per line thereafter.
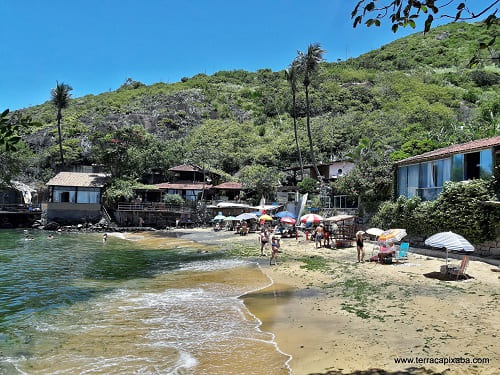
x,y
214,265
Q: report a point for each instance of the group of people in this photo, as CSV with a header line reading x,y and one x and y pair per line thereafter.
x,y
321,237
275,243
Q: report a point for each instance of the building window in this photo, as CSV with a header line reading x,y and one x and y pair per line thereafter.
x,y
403,181
457,168
63,195
486,163
412,180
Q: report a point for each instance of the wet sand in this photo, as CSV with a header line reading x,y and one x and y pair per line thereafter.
x,y
336,316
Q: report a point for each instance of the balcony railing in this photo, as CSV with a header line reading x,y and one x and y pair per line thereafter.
x,y
154,206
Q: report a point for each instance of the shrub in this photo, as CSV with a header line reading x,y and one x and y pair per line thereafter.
x,y
307,185
459,208
173,199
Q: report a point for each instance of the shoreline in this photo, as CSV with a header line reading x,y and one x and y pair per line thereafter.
x,y
334,316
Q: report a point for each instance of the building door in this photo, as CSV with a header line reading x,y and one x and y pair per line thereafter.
x,y
472,162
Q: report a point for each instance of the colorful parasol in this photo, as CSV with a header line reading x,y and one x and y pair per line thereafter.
x,y
265,218
392,235
311,218
288,220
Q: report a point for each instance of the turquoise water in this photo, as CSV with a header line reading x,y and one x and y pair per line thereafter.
x,y
73,305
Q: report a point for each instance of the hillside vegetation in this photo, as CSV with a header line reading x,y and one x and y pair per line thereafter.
x,y
407,97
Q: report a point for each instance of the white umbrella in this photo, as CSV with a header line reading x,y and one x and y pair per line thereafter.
x,y
247,216
450,241
375,231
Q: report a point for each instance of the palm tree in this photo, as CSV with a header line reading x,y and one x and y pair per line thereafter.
x,y
308,65
291,76
60,98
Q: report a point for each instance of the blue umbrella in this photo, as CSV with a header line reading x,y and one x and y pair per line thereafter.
x,y
286,214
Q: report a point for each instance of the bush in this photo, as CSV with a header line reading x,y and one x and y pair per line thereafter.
x,y
173,199
459,208
307,185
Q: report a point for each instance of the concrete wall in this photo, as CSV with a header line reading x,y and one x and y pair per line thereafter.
x,y
485,249
73,212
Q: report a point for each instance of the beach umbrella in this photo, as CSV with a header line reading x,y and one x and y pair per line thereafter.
x,y
311,218
392,235
450,241
219,217
288,220
230,218
375,231
265,218
247,216
283,214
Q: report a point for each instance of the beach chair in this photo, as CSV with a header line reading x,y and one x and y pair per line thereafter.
x,y
460,271
402,254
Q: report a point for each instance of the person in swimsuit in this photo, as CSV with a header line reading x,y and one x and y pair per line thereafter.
x,y
359,246
275,249
319,235
264,239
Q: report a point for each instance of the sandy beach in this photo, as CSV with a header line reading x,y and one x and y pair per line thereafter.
x,y
337,316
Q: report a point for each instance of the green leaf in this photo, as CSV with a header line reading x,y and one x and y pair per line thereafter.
x,y
394,27
412,24
461,6
428,23
357,21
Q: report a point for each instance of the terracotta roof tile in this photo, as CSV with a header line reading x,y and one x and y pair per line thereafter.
x,y
229,186
477,145
183,186
185,168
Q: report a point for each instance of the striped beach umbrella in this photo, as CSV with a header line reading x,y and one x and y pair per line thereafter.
x,y
311,218
288,220
450,241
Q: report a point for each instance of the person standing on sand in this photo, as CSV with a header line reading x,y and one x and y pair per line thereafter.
x,y
318,235
359,246
264,239
275,249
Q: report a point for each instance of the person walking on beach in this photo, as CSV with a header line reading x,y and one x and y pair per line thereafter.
x,y
318,235
359,246
264,239
275,249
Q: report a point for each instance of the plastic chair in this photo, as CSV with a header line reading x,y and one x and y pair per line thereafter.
x,y
460,271
402,254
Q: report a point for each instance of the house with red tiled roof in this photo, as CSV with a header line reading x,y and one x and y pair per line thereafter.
x,y
190,191
229,190
424,175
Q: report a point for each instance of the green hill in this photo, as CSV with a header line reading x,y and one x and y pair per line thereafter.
x,y
412,93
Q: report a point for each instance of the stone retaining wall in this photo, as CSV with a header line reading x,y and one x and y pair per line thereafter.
x,y
489,249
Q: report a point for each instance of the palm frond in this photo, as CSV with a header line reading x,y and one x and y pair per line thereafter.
x,y
60,95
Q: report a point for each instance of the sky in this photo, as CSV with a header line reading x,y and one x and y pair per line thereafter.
x,y
95,45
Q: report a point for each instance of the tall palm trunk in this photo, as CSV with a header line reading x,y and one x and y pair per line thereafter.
x,y
59,117
309,135
301,163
